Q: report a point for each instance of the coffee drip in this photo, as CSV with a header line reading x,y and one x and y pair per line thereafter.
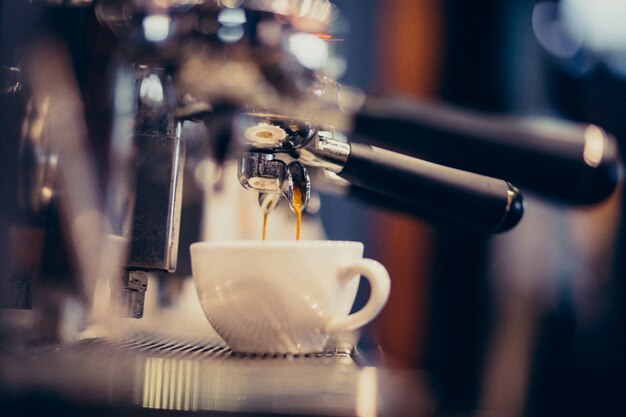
x,y
298,203
264,226
268,202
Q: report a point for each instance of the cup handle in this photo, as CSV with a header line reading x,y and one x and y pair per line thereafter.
x,y
380,283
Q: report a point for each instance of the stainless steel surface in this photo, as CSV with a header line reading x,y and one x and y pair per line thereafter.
x,y
268,202
176,366
153,152
160,162
263,173
10,80
329,150
300,182
154,101
158,196
272,133
128,294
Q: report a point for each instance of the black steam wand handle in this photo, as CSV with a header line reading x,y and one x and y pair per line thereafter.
x,y
487,204
573,163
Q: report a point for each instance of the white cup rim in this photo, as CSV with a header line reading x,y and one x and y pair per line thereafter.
x,y
278,244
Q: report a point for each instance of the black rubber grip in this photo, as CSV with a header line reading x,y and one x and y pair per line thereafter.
x,y
573,163
480,202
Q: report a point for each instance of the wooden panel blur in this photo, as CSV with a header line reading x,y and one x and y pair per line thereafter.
x,y
409,46
409,51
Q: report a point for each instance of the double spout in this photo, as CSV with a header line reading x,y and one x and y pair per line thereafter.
x,y
273,178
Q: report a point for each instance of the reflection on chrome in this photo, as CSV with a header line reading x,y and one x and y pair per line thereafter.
x,y
594,146
171,384
367,393
229,382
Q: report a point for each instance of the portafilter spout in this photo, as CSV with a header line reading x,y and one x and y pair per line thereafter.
x,y
271,177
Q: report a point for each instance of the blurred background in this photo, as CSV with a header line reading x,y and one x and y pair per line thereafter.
x,y
532,321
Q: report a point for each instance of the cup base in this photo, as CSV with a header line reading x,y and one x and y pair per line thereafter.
x,y
284,348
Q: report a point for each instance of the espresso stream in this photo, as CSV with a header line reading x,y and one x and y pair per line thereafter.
x,y
264,225
297,207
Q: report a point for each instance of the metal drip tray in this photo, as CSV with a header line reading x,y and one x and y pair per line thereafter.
x,y
145,368
185,350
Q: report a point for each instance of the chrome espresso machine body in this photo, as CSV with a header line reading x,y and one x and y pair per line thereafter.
x,y
243,80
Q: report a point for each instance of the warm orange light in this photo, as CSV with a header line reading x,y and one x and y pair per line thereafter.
x,y
324,36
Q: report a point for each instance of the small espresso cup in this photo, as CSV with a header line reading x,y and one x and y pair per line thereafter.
x,y
285,296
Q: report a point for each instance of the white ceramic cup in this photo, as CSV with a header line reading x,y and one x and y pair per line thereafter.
x,y
284,296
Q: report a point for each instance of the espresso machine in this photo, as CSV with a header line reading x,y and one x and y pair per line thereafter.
x,y
109,105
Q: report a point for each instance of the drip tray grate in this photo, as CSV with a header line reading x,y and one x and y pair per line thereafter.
x,y
177,349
